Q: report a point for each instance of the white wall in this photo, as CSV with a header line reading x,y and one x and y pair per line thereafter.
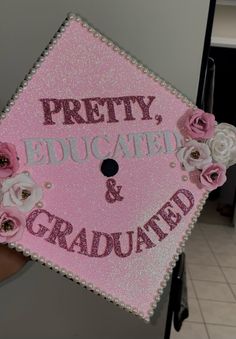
x,y
166,35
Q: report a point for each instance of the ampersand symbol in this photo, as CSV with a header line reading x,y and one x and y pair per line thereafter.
x,y
113,191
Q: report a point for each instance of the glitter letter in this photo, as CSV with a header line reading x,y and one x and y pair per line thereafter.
x,y
81,236
169,216
145,107
57,233
31,218
151,224
96,242
48,111
142,238
110,107
117,245
127,105
70,113
92,112
190,198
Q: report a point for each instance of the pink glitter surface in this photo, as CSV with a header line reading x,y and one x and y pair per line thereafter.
x,y
82,66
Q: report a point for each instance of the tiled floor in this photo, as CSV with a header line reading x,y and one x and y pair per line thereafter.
x,y
211,265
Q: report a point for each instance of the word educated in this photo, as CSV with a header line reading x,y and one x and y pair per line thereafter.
x,y
54,151
58,232
96,110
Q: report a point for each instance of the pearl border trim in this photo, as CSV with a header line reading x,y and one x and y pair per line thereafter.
x,y
35,256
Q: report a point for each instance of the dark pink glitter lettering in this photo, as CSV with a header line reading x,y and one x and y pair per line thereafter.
x,y
49,111
72,112
92,111
152,224
142,238
95,244
117,245
81,236
180,203
145,107
41,229
60,235
169,216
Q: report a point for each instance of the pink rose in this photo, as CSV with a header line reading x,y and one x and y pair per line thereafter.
x,y
12,224
9,163
213,175
199,124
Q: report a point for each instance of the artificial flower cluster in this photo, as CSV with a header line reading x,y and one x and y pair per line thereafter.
x,y
18,194
209,150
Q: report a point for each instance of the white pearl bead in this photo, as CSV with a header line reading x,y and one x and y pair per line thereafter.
x,y
72,16
26,253
42,260
39,204
26,172
48,185
34,256
19,248
76,278
12,245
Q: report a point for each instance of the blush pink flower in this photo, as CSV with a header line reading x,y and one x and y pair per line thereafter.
x,y
9,163
12,224
194,155
20,191
213,176
199,124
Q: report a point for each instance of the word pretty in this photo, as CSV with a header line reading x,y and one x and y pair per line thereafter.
x,y
96,110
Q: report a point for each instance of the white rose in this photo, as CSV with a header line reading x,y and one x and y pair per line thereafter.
x,y
20,191
223,144
194,155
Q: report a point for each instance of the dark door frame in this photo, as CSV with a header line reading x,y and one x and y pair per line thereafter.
x,y
205,54
199,102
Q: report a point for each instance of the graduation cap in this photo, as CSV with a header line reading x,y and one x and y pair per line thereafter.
x,y
105,168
